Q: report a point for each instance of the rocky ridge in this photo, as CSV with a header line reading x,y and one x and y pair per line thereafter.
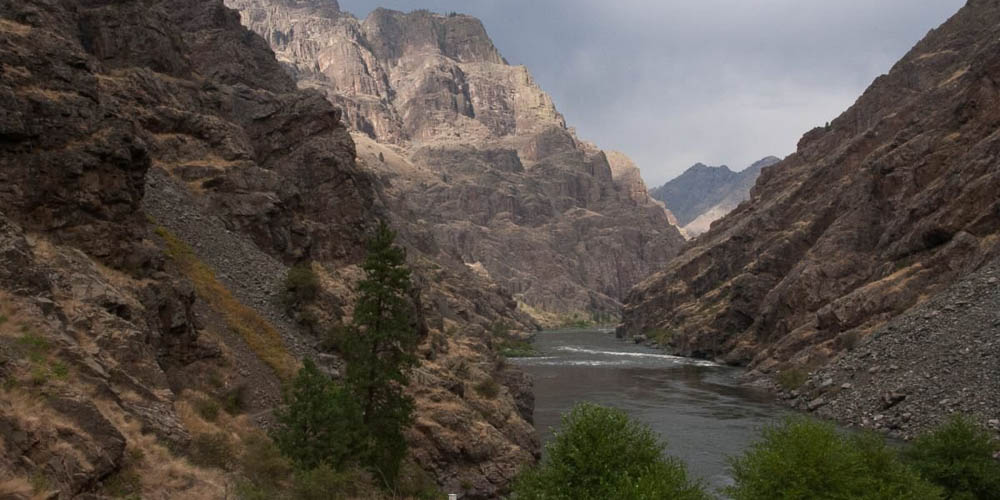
x,y
703,194
471,146
159,171
877,213
938,358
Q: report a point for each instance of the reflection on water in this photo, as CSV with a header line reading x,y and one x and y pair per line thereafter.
x,y
698,407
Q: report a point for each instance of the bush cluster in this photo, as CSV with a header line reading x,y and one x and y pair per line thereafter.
x,y
602,453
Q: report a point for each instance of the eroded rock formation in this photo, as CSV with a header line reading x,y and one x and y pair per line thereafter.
x,y
474,148
159,170
890,204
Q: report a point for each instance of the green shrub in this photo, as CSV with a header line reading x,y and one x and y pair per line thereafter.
x,y
333,340
513,348
321,422
488,388
207,408
326,483
301,285
601,453
59,370
212,450
792,378
417,484
499,329
808,459
3,319
662,336
33,345
126,483
234,401
958,456
264,469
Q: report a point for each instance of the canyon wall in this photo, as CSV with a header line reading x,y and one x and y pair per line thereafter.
x,y
470,145
876,213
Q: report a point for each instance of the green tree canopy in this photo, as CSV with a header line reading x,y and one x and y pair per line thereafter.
x,y
601,453
958,455
320,421
805,459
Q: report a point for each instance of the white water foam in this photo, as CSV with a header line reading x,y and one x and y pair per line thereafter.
x,y
571,362
668,357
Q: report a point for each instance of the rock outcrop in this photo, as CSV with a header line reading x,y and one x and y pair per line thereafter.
x,y
938,358
703,194
159,170
871,216
473,147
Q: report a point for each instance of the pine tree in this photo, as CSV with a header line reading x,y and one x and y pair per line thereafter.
x,y
380,351
321,422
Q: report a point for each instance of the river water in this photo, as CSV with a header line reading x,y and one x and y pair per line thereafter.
x,y
699,408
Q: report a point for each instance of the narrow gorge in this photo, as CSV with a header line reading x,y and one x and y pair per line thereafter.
x,y
190,189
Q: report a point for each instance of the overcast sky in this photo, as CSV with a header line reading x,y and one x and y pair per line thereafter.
x,y
674,82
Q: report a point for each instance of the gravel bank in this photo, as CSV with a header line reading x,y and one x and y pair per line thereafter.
x,y
939,358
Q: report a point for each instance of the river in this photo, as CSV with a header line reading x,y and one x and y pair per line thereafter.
x,y
699,408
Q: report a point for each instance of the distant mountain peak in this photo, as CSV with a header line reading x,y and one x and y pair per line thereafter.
x,y
705,193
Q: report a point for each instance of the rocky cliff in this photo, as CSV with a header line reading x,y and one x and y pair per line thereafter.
x,y
703,194
870,217
473,147
159,172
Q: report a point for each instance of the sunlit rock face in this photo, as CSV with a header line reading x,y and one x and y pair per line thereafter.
x,y
477,151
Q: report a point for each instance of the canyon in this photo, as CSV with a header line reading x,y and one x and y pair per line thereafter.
x,y
891,204
165,165
472,148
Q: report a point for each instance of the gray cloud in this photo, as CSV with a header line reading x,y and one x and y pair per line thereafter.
x,y
675,82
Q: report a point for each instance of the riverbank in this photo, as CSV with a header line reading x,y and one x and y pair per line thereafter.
x,y
939,358
703,410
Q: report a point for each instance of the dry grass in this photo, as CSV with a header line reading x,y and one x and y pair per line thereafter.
x,y
258,333
8,26
17,487
955,76
160,473
48,94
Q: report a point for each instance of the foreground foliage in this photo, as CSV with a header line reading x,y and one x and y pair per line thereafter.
x,y
958,456
601,453
805,459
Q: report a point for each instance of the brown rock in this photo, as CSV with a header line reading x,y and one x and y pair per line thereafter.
x,y
896,200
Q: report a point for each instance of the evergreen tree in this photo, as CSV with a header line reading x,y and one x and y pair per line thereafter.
x,y
380,351
320,422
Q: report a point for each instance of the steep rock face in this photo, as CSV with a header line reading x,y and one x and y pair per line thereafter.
x,y
703,194
629,180
475,148
109,104
892,203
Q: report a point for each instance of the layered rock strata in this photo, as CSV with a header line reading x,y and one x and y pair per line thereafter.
x,y
873,215
472,146
153,154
